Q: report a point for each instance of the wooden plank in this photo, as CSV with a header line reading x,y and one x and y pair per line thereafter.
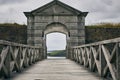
x,y
14,54
56,69
77,55
12,57
96,61
92,62
111,68
114,52
118,61
7,65
115,40
3,42
80,56
3,55
23,53
102,62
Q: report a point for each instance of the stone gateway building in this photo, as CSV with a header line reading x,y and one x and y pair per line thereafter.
x,y
56,17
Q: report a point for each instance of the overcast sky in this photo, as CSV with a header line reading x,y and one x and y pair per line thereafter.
x,y
56,41
99,10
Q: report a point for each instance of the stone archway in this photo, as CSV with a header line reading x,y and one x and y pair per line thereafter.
x,y
56,17
57,27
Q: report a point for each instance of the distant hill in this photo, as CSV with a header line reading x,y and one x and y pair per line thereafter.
x,y
57,53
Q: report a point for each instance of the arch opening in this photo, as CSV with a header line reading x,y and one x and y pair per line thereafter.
x,y
59,34
56,44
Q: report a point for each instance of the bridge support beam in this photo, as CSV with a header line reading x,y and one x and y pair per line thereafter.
x,y
6,66
102,61
14,57
118,62
102,57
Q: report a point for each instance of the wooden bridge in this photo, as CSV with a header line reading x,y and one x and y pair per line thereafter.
x,y
96,61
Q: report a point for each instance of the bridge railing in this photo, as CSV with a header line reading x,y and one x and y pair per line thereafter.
x,y
14,57
102,57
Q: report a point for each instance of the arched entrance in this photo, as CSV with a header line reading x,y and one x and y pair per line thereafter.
x,y
57,27
56,44
55,17
56,41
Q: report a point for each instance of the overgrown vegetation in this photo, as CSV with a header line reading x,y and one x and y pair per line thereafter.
x,y
104,25
12,25
18,33
102,31
13,32
56,53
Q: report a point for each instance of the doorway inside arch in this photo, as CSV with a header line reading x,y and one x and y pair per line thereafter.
x,y
56,44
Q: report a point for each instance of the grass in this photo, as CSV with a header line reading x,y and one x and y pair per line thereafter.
x,y
104,25
11,25
57,53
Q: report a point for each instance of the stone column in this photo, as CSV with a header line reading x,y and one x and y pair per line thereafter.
x,y
30,30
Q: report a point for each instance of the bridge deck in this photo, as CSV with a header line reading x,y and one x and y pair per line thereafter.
x,y
56,69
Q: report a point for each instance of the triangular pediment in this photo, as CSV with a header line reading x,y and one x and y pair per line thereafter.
x,y
56,8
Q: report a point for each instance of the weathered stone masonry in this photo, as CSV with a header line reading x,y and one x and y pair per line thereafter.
x,y
56,17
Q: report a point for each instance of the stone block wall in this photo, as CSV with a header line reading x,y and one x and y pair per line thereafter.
x,y
99,34
74,25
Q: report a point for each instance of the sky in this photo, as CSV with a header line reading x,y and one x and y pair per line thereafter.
x,y
99,10
55,42
11,11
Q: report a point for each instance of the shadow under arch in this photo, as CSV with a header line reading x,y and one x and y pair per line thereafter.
x,y
56,27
